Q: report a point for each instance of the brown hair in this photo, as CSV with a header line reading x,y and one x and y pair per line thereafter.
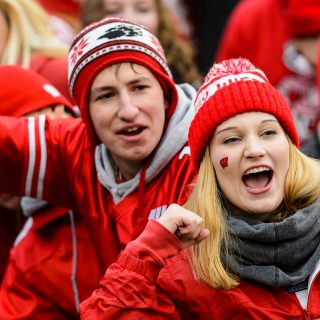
x,y
178,50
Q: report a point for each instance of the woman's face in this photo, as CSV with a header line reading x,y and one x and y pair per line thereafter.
x,y
4,33
250,155
142,12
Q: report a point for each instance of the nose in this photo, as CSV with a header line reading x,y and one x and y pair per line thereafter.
x,y
128,110
254,148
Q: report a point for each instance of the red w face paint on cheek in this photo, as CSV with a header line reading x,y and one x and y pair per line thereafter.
x,y
224,162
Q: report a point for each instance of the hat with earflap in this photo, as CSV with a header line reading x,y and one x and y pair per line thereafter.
x,y
233,87
24,91
111,41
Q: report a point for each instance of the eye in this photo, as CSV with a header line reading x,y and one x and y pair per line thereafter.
x,y
231,140
144,9
104,96
269,132
140,87
113,11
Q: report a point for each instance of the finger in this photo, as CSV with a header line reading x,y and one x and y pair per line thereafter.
x,y
188,232
191,241
204,233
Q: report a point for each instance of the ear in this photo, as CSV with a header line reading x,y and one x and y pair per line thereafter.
x,y
58,112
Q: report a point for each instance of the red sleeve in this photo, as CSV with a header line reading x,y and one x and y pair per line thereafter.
x,y
13,155
20,301
39,158
128,290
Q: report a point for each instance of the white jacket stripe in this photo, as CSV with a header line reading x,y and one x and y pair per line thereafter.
x,y
43,156
74,261
32,155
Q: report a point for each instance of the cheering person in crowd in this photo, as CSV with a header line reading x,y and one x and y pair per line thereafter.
x,y
126,159
253,218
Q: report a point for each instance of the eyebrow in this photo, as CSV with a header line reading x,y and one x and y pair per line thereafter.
x,y
130,83
232,128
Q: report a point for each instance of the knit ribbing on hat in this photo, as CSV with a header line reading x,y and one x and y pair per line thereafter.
x,y
112,35
221,98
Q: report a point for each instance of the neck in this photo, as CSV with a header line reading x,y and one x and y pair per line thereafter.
x,y
273,216
126,170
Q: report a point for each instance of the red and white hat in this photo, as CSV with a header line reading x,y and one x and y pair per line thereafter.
x,y
24,91
233,87
303,17
107,42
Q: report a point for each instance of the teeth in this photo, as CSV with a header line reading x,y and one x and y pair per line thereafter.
x,y
132,129
258,169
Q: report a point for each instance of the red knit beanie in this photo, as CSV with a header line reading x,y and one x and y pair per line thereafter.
x,y
25,91
303,17
233,87
107,42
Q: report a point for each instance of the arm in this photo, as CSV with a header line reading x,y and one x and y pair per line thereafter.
x,y
37,156
129,288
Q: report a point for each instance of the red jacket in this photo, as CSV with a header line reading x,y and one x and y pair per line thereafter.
x,y
50,160
146,283
52,268
257,30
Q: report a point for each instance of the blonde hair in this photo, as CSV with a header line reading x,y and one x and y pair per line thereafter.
x,y
302,187
29,33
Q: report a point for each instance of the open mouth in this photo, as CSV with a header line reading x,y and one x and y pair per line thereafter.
x,y
257,178
132,131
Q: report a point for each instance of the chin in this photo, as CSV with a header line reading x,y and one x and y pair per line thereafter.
x,y
137,156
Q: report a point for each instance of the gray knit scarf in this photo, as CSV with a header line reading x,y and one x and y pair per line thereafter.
x,y
278,253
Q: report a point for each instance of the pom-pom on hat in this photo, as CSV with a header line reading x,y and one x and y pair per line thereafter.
x,y
24,91
303,17
233,87
107,42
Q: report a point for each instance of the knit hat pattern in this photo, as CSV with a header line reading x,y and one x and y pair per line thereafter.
x,y
233,87
24,91
303,17
110,41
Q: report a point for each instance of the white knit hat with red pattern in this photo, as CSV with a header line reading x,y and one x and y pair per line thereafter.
x,y
107,42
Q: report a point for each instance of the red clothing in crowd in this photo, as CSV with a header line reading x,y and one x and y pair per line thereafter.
x,y
260,32
55,70
52,268
52,162
11,222
257,30
129,291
